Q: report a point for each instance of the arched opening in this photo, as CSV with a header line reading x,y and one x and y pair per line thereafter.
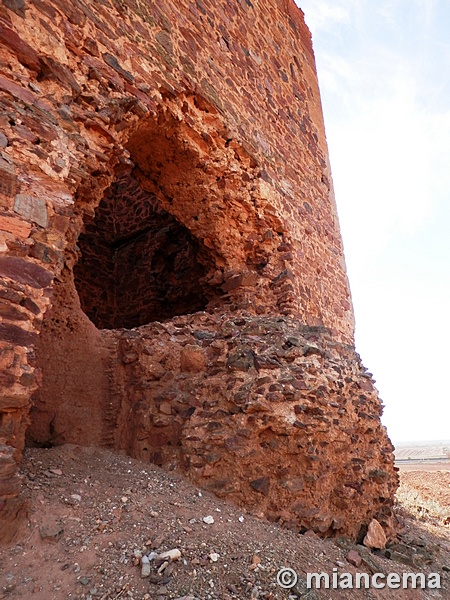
x,y
138,263
178,230
146,253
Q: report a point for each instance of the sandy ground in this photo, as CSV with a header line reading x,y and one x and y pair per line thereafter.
x,y
92,514
425,466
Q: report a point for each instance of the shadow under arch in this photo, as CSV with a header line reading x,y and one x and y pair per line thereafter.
x,y
176,231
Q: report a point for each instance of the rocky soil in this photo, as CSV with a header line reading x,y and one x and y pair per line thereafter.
x,y
92,515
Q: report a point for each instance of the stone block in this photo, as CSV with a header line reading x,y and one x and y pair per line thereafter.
x,y
18,6
24,271
16,335
53,69
11,312
112,61
32,208
375,537
17,91
24,52
8,178
15,226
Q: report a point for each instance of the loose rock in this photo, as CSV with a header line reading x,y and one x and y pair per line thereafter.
x,y
145,567
375,537
209,520
174,554
354,558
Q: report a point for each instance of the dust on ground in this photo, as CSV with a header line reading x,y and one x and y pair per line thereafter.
x,y
91,515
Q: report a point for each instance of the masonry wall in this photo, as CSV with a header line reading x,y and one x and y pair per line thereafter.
x,y
212,111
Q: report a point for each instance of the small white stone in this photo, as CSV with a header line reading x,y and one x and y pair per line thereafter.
x,y
214,557
174,554
209,520
241,519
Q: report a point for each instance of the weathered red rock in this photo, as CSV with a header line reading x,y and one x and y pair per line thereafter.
x,y
166,204
375,537
24,52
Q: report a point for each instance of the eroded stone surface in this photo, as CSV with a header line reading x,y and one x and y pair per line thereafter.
x,y
277,417
271,414
164,160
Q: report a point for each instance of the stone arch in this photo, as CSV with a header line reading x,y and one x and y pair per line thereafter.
x,y
175,225
246,175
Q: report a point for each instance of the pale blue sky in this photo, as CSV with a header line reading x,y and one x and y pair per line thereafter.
x,y
384,75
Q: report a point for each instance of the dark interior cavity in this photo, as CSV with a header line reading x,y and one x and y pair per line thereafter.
x,y
138,263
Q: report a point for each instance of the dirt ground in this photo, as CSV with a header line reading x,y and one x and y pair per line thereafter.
x,y
91,515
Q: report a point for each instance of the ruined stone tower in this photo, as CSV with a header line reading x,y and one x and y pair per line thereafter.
x,y
173,283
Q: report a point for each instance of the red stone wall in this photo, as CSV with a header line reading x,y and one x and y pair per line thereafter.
x,y
73,86
263,411
213,110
